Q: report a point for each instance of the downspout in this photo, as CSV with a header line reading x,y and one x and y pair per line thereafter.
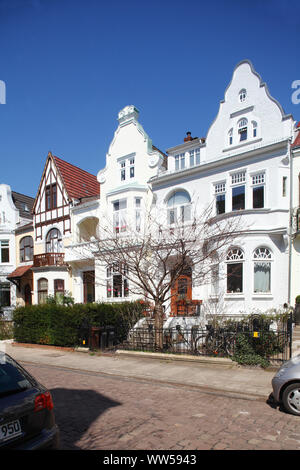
x,y
290,222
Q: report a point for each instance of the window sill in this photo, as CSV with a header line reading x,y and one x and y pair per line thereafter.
x,y
234,295
243,144
262,295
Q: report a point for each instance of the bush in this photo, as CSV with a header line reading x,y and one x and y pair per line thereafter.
x,y
6,330
62,325
256,351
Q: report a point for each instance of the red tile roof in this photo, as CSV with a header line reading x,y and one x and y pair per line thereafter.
x,y
78,183
19,272
296,142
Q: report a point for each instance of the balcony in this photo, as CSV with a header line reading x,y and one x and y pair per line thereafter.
x,y
49,259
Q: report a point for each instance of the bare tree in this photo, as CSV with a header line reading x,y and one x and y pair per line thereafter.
x,y
153,258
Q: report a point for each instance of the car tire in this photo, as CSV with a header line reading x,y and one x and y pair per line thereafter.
x,y
291,399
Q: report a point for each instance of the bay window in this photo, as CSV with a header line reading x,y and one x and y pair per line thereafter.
x,y
119,216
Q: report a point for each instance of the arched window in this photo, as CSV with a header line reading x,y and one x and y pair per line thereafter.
x,y
230,136
242,95
243,129
26,249
42,290
179,207
235,259
53,241
262,270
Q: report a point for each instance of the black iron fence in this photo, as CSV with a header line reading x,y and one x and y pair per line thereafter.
x,y
242,343
252,343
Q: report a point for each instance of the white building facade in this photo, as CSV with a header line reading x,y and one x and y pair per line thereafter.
x,y
242,167
15,212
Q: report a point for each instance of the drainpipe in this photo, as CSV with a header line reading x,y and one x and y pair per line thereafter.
x,y
290,221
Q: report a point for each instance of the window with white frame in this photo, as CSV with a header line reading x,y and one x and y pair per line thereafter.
x,y
42,290
127,168
4,251
138,218
194,157
242,95
179,207
262,270
54,241
234,261
238,190
4,294
180,161
243,129
116,280
123,170
119,215
230,137
131,168
254,129
26,249
220,195
258,190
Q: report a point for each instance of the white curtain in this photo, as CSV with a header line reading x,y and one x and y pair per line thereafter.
x,y
262,277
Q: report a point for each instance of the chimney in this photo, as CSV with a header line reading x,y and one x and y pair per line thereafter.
x,y
188,137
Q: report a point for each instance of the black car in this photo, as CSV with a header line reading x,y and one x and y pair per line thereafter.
x,y
26,410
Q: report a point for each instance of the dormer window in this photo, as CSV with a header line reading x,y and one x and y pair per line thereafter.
x,y
242,95
243,129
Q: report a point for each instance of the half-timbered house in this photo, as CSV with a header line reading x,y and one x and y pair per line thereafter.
x,y
62,186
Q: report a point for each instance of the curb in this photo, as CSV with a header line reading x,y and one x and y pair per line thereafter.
x,y
221,361
40,346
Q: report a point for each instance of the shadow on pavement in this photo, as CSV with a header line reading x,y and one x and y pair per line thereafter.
x,y
75,411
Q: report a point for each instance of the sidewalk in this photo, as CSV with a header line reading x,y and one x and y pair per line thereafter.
x,y
208,374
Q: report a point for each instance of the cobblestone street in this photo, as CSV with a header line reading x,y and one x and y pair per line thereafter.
x,y
97,412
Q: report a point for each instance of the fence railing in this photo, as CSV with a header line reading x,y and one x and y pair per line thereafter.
x,y
209,341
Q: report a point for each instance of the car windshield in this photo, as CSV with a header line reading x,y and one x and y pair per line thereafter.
x,y
12,378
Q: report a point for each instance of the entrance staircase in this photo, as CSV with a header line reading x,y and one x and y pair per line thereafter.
x,y
296,341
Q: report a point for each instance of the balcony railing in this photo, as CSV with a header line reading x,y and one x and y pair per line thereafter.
x,y
49,259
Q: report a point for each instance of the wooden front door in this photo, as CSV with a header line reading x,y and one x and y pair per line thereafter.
x,y
89,286
181,295
27,294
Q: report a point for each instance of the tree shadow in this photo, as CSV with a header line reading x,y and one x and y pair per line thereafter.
x,y
75,410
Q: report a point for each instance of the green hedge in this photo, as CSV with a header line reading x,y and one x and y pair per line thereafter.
x,y
61,325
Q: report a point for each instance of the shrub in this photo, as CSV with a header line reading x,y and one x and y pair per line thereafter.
x,y
6,330
61,325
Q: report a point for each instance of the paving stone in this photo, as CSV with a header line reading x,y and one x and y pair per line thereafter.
x,y
96,412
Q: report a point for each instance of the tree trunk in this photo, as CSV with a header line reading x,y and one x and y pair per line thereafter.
x,y
158,326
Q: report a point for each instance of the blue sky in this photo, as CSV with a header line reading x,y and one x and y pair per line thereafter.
x,y
71,65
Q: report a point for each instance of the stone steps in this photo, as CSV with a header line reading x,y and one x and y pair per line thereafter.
x,y
296,341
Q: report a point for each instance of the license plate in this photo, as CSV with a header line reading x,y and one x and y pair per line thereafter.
x,y
10,430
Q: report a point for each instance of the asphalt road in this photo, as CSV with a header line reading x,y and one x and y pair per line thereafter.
x,y
97,412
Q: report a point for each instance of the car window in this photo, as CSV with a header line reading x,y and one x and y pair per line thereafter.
x,y
12,378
